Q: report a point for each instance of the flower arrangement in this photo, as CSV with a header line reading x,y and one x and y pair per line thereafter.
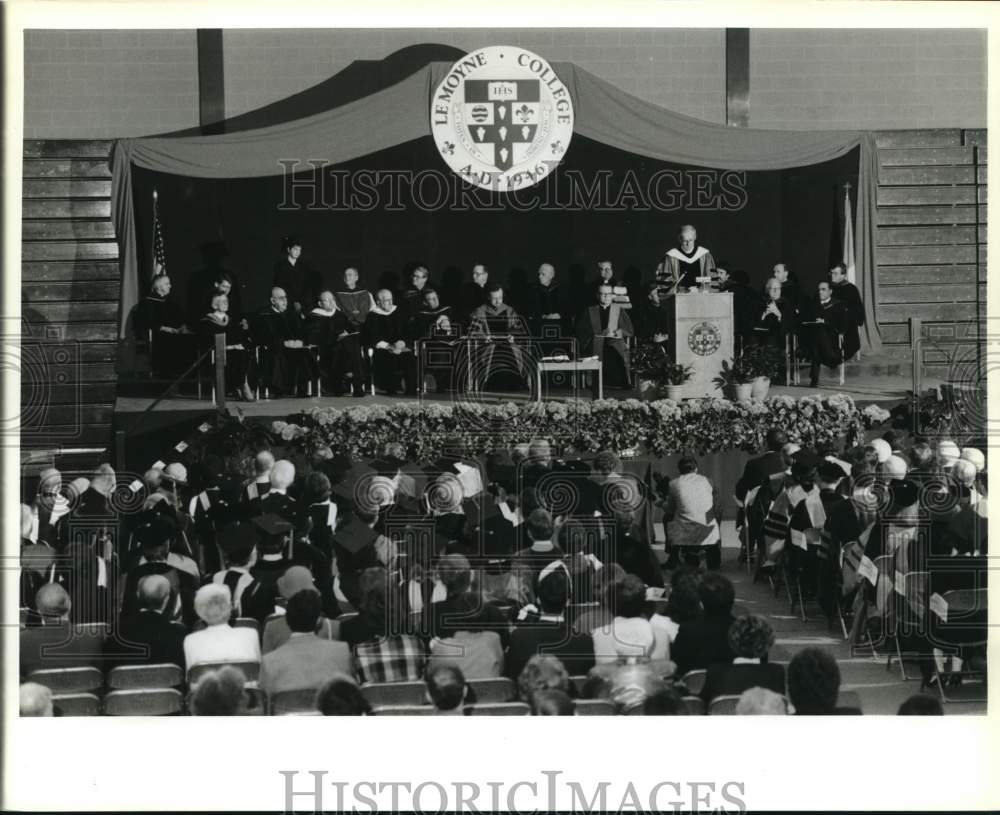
x,y
664,426
650,361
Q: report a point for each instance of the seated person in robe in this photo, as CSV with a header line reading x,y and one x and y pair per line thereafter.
x,y
606,276
353,301
340,355
241,368
161,321
497,327
411,298
438,338
601,330
393,362
826,319
775,318
285,361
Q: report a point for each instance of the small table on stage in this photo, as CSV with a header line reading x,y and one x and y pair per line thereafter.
x,y
571,366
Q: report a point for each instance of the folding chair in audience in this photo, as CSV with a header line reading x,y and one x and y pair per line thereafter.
x,y
502,709
694,681
723,705
694,705
144,702
579,684
381,694
911,612
404,710
255,701
292,702
69,680
130,677
594,707
493,690
248,622
959,617
77,704
251,670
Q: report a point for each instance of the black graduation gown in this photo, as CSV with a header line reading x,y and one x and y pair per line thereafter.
x,y
169,353
240,363
502,361
338,355
282,367
438,353
745,302
848,294
301,284
651,319
354,304
547,300
389,368
821,339
611,350
769,330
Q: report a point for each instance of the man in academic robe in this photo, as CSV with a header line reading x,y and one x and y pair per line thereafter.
x,y
392,358
790,291
411,298
285,359
848,294
547,310
601,331
436,340
652,322
291,273
684,263
497,327
160,321
827,320
354,302
340,355
474,294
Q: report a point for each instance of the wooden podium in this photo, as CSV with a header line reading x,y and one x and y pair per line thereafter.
x,y
702,337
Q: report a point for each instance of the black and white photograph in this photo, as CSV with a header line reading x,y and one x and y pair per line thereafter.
x,y
608,365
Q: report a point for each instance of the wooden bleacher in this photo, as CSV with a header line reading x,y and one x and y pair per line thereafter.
x,y
69,295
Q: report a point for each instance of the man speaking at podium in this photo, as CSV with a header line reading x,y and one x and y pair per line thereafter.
x,y
684,264
601,331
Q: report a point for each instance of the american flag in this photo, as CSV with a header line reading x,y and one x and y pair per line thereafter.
x,y
159,253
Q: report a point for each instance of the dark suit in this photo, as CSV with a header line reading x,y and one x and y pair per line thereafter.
x,y
59,644
701,643
849,295
147,638
757,471
575,651
282,367
726,679
183,587
611,350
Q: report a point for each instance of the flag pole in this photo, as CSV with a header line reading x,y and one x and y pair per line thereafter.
x,y
156,217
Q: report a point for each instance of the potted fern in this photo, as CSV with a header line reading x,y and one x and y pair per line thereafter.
x,y
657,373
673,376
765,362
735,380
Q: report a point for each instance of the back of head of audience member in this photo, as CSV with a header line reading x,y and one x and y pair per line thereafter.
x,y
282,474
687,464
373,589
553,591
540,526
751,637
542,672
607,463
153,592
263,462
218,693
664,702
341,696
455,574
213,604
294,580
776,439
303,611
788,451
35,700
318,488
630,598
684,601
717,595
552,703
921,704
813,682
631,686
761,702
921,455
446,686
52,600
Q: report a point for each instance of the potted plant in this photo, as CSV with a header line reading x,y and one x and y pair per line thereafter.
x,y
735,380
673,375
647,361
765,363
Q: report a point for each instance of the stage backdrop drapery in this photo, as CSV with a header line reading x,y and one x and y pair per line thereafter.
x,y
401,113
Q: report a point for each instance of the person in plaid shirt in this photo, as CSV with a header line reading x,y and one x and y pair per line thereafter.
x,y
385,643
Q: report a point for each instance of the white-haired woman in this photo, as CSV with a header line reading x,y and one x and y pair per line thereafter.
x,y
241,370
218,642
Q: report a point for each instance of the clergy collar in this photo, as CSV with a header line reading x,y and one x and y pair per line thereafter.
x,y
322,312
542,546
826,302
746,661
551,618
275,311
377,309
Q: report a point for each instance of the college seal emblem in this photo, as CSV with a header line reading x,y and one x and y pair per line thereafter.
x,y
704,339
501,118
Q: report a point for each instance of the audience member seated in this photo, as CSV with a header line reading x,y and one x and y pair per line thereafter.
x,y
149,636
814,684
542,673
277,500
691,514
385,647
218,642
549,632
305,660
631,636
248,596
286,364
632,553
52,643
526,564
49,509
276,631
705,641
552,703
155,539
446,689
761,702
241,366
394,365
664,702
34,700
683,604
341,696
259,486
630,686
219,693
608,582
750,638
920,704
